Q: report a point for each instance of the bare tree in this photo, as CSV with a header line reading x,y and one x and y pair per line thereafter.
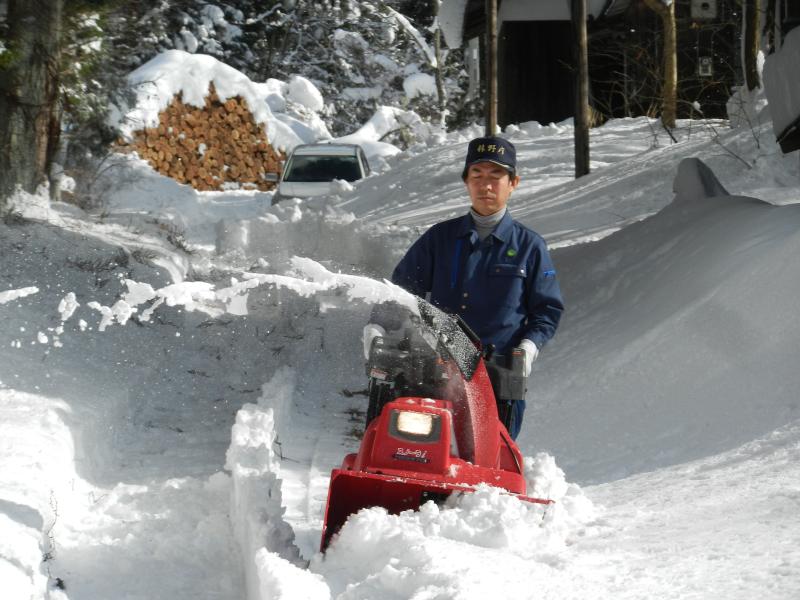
x,y
669,91
30,124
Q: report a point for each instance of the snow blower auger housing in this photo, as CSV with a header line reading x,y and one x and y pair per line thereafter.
x,y
432,425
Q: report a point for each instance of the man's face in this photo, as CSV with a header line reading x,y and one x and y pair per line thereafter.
x,y
489,187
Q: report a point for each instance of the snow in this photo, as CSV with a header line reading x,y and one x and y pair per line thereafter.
x,y
10,295
67,306
169,420
419,84
254,466
418,38
214,14
386,120
362,93
303,92
187,41
400,556
451,21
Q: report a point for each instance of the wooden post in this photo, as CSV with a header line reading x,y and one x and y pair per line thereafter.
x,y
669,90
751,43
581,88
491,66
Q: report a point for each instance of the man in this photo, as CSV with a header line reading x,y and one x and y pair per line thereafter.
x,y
493,271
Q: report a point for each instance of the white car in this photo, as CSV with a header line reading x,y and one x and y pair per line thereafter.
x,y
310,169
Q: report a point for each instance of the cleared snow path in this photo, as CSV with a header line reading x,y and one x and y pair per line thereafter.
x,y
322,431
320,421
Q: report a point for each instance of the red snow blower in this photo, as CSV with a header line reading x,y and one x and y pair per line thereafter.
x,y
433,426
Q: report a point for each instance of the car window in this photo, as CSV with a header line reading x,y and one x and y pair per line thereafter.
x,y
365,163
322,168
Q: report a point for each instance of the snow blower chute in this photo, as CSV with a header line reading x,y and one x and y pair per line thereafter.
x,y
433,426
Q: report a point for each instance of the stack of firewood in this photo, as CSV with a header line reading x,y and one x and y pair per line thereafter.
x,y
210,146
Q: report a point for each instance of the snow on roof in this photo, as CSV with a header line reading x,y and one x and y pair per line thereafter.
x,y
326,148
453,12
552,10
175,72
451,21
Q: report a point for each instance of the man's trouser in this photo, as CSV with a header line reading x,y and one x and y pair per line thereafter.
x,y
509,385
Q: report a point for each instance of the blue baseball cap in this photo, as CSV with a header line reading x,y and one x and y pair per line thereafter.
x,y
491,149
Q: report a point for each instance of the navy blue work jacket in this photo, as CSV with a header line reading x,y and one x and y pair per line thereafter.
x,y
504,287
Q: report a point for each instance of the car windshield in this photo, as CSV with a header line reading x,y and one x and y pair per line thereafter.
x,y
316,168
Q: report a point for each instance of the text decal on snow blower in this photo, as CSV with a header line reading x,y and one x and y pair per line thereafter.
x,y
412,455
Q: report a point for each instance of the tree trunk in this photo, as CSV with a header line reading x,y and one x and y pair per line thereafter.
x,y
581,88
440,91
491,66
30,124
751,42
669,88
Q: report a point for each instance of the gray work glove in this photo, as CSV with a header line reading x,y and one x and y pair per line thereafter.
x,y
371,331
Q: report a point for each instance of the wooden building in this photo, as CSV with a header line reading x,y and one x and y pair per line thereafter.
x,y
535,57
534,50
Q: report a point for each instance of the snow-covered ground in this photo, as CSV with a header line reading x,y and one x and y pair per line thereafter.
x,y
168,419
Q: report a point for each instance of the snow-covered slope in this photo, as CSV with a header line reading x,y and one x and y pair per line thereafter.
x,y
168,420
678,337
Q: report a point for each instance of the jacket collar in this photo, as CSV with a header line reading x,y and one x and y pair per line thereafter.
x,y
504,228
502,232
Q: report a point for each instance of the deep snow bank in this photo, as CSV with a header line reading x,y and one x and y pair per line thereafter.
x,y
272,564
725,526
313,228
38,468
100,431
680,337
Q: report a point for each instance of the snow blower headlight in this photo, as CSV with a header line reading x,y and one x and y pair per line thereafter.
x,y
415,423
416,426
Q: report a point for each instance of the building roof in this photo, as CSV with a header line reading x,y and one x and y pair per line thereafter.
x,y
541,10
